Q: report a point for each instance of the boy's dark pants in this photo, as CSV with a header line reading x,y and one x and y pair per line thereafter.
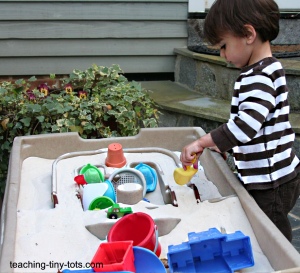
x,y
277,203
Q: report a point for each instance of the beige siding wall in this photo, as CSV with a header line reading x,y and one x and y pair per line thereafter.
x,y
43,37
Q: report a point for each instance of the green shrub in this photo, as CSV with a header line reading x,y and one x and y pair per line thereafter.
x,y
97,103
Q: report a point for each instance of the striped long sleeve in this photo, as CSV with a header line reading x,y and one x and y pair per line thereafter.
x,y
259,131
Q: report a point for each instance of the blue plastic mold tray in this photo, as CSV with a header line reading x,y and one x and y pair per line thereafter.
x,y
211,251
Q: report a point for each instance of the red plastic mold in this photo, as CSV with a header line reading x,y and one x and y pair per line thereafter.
x,y
114,256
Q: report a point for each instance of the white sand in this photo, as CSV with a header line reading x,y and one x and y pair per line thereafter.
x,y
58,235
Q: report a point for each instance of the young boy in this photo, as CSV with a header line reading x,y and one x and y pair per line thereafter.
x,y
258,132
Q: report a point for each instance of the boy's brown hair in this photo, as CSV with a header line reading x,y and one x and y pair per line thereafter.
x,y
232,15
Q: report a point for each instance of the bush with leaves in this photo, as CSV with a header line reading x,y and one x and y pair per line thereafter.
x,y
97,103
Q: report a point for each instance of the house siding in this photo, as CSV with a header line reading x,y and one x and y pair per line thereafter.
x,y
43,37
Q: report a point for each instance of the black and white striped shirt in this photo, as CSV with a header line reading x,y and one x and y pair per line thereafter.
x,y
259,131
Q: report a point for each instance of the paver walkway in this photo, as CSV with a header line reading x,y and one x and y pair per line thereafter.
x,y
294,216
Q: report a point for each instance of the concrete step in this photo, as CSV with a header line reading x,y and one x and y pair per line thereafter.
x,y
174,97
177,98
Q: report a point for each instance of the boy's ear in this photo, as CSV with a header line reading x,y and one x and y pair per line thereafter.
x,y
250,33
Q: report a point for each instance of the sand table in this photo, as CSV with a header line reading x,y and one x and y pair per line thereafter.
x,y
58,235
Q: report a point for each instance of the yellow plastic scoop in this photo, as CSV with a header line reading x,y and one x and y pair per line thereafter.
x,y
182,176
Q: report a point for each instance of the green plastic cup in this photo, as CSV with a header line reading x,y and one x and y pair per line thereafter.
x,y
92,174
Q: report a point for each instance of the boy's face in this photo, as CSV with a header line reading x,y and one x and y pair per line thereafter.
x,y
235,50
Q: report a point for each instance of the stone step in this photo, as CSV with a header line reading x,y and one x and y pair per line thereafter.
x,y
172,96
211,76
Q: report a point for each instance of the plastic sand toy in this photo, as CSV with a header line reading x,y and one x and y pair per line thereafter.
x,y
91,174
115,211
149,174
211,252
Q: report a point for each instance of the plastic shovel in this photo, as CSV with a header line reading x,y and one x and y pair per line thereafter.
x,y
182,176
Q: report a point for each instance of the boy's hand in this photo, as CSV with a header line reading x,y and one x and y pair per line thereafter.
x,y
190,154
195,149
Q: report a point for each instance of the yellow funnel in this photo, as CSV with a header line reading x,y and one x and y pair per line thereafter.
x,y
182,177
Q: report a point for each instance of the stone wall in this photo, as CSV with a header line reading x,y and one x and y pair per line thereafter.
x,y
287,43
